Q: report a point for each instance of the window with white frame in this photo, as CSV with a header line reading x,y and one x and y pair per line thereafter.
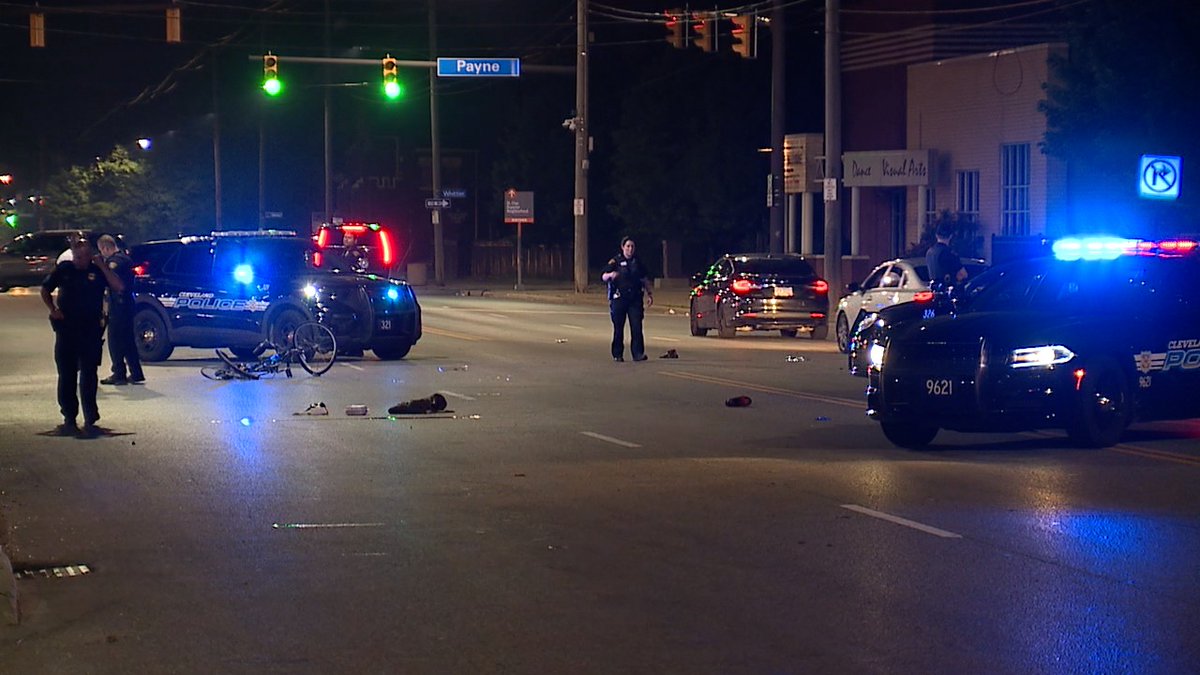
x,y
930,214
1014,189
967,202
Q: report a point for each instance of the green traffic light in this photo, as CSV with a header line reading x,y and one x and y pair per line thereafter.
x,y
11,220
393,90
272,86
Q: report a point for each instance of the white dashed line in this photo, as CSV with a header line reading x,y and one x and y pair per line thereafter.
x,y
610,439
928,529
354,367
567,325
314,526
499,316
452,394
664,339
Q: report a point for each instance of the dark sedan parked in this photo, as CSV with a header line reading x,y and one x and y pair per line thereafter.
x,y
760,291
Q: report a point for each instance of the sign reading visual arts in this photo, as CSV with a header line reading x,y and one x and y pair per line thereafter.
x,y
887,168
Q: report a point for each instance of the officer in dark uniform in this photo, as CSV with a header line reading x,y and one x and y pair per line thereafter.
x,y
78,322
627,280
121,347
945,267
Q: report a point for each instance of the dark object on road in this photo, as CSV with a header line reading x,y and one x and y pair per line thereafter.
x,y
419,406
738,402
671,354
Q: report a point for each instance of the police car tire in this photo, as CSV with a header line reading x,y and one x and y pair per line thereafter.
x,y
392,353
160,347
283,325
908,435
843,333
1096,425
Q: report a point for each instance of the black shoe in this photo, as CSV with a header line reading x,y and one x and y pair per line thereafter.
x,y
89,431
137,380
643,357
68,428
618,358
119,381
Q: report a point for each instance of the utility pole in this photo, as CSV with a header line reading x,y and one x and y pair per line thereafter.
x,y
581,147
778,108
216,145
439,247
328,218
833,150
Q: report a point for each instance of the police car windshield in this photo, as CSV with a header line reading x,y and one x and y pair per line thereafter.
x,y
1078,287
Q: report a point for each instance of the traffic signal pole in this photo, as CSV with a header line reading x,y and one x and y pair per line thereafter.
x,y
439,246
833,151
778,107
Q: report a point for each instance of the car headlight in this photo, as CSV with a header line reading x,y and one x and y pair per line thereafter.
x,y
1040,357
875,355
310,292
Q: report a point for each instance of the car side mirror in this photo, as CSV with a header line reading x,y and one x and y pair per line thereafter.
x,y
853,287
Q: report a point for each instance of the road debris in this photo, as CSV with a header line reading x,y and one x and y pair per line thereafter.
x,y
738,402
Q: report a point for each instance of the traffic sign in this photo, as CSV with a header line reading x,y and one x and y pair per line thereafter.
x,y
1158,177
437,203
518,207
460,67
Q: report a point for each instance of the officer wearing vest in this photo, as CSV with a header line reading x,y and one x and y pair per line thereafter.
x,y
126,366
77,317
628,280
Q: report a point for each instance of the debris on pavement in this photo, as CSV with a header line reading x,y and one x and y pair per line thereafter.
x,y
792,358
738,402
671,354
356,410
434,403
560,340
315,409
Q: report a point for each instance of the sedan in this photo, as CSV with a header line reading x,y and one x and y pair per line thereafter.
x,y
890,283
760,291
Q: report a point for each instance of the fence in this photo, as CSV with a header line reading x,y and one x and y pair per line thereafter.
x,y
498,259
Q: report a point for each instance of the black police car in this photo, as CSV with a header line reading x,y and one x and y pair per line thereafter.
x,y
236,289
1104,333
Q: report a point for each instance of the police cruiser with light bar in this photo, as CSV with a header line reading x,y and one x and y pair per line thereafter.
x,y
1103,333
234,289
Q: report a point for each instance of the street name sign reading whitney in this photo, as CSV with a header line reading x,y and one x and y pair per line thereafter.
x,y
461,67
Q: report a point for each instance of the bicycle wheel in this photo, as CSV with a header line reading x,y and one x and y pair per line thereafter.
x,y
238,369
315,346
218,373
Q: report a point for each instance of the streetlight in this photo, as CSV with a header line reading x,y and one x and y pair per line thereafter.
x,y
144,143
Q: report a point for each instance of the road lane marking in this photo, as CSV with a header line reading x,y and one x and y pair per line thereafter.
x,y
355,367
708,379
610,439
452,334
314,526
1135,450
928,529
498,316
456,395
665,339
572,326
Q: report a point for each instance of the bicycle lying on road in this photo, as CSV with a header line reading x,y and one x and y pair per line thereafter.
x,y
311,344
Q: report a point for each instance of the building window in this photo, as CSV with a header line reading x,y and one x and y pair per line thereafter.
x,y
968,195
930,207
1014,189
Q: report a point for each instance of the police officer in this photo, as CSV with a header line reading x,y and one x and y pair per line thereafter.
x,y
945,267
121,348
78,322
627,280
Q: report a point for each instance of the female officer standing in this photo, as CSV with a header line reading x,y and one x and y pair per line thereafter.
x,y
627,278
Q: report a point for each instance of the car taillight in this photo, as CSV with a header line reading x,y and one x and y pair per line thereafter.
x,y
820,286
818,315
385,243
743,286
923,296
322,238
354,229
318,258
140,270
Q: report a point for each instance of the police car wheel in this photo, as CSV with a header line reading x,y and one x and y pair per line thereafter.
x,y
843,334
1102,410
244,353
392,353
909,435
150,334
284,325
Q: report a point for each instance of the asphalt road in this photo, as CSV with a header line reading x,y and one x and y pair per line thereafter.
x,y
571,514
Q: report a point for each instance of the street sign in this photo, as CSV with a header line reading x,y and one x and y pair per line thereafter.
x,y
437,203
518,207
273,214
460,67
1158,177
456,193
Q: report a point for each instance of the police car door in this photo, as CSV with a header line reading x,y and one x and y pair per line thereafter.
x,y
1166,353
242,271
181,287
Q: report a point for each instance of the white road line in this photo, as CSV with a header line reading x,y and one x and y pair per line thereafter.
x,y
902,521
456,395
567,325
498,316
313,526
664,338
355,367
610,439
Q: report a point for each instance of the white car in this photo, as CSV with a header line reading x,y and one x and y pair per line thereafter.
x,y
890,283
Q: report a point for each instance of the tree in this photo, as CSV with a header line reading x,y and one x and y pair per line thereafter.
x,y
1124,89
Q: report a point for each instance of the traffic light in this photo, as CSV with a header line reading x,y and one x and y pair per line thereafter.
x,y
271,83
702,32
744,29
675,25
391,79
11,219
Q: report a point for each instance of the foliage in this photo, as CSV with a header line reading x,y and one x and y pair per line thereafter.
x,y
1124,90
137,197
966,241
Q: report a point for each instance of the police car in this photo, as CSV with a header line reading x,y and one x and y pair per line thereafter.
x,y
1104,333
234,289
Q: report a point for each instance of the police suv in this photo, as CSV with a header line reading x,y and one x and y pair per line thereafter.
x,y
1105,332
234,289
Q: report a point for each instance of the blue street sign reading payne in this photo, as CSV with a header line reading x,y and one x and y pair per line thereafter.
x,y
1158,177
459,67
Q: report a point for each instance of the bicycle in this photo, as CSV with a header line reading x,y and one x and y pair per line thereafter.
x,y
311,344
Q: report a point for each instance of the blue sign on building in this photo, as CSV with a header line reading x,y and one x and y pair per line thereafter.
x,y
1158,177
456,67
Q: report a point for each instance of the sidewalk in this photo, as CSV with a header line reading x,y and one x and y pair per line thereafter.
x,y
669,297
